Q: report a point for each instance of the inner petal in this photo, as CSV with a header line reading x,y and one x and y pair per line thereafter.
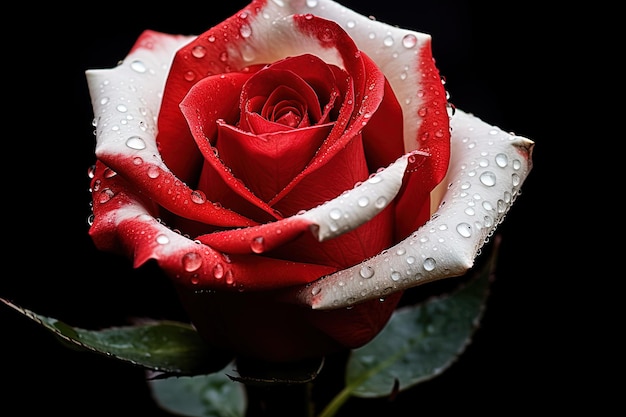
x,y
267,163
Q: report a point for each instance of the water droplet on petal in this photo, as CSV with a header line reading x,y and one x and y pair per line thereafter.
x,y
409,41
218,271
229,277
502,160
198,51
257,244
366,272
191,261
162,240
488,178
245,31
154,172
335,214
135,142
138,66
464,229
105,195
380,202
429,264
198,197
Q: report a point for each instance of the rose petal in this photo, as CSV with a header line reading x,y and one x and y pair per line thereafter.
x,y
326,221
123,223
487,169
405,57
126,102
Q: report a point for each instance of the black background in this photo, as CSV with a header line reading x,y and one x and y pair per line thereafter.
x,y
502,63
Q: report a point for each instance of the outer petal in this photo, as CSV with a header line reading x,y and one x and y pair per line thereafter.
x,y
488,167
126,101
123,222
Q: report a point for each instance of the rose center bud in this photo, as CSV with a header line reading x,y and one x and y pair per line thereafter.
x,y
287,110
285,106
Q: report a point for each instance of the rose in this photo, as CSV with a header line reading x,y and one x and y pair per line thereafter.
x,y
282,169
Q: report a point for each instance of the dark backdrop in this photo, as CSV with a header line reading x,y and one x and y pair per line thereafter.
x,y
499,62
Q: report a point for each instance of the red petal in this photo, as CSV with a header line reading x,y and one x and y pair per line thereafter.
x,y
267,163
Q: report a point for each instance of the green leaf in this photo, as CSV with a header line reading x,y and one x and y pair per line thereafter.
x,y
163,346
421,341
212,395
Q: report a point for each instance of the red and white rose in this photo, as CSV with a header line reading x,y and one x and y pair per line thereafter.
x,y
293,170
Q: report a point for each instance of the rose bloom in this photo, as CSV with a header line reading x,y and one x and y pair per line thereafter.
x,y
294,170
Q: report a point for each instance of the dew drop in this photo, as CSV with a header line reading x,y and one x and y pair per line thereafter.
x,y
326,35
335,214
429,264
502,160
135,142
363,201
488,178
374,179
162,240
189,76
395,276
400,251
257,244
351,24
245,31
191,261
229,277
366,272
121,108
138,66
410,260
316,290
198,197
218,271
388,41
516,180
153,172
198,51
409,41
464,229
311,3
380,202
105,195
